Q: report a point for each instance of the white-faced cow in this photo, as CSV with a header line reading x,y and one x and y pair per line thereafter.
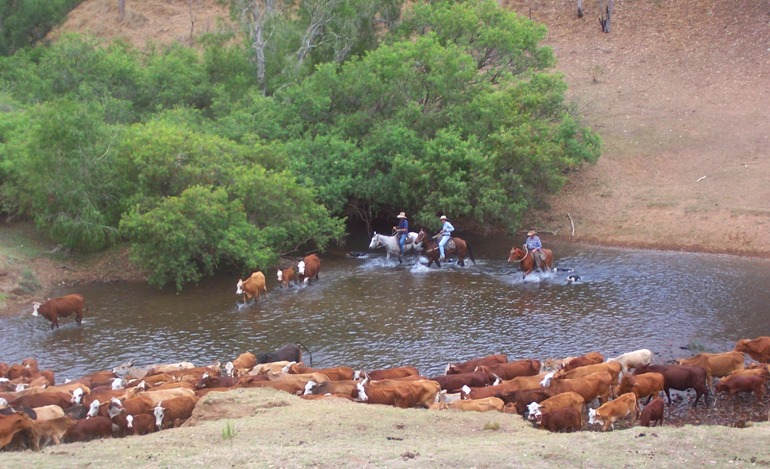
x,y
252,287
308,268
61,307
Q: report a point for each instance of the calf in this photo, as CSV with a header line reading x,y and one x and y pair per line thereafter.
x,y
88,429
612,411
566,419
470,365
45,431
61,307
680,377
743,383
287,277
653,413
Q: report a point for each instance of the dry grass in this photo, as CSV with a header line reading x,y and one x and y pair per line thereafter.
x,y
273,429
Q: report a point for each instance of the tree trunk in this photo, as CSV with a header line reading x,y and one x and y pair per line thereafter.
x,y
121,10
192,20
606,14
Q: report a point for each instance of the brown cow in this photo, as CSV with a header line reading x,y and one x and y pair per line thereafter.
x,y
387,373
167,413
12,424
308,268
486,404
89,429
653,413
643,385
386,395
62,399
208,381
567,419
609,412
252,287
716,364
519,400
455,382
559,401
287,353
241,365
680,377
612,367
470,365
424,392
287,277
758,349
61,307
337,373
346,387
590,358
141,424
595,385
743,383
514,369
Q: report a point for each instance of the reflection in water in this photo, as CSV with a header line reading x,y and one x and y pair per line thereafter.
x,y
371,313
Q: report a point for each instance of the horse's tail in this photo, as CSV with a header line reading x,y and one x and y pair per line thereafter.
x,y
308,352
470,252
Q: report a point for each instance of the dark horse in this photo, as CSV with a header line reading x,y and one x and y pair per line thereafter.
x,y
456,246
527,262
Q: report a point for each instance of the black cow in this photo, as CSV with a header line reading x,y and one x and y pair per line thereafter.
x,y
289,353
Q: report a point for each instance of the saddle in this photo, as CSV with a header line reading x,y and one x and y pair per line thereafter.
x,y
450,244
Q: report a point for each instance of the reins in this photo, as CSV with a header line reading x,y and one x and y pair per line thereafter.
x,y
526,253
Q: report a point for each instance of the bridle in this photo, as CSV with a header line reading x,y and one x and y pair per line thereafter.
x,y
526,253
379,243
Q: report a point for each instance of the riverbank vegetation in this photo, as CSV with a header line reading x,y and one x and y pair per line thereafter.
x,y
214,155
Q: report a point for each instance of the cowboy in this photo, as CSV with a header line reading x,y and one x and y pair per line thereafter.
x,y
402,231
444,234
536,246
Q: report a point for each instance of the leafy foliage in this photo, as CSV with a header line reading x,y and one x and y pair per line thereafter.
x,y
26,22
238,154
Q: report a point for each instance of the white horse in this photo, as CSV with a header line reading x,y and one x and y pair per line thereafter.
x,y
390,243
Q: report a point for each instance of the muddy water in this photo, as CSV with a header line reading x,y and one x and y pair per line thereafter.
x,y
371,313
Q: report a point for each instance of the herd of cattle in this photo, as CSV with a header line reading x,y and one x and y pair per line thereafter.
x,y
305,271
554,394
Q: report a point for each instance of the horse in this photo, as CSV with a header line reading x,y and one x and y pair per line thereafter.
x,y
390,243
527,262
456,246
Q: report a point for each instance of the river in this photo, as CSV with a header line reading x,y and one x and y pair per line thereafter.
x,y
371,313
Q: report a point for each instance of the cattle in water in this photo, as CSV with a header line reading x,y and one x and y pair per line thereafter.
x,y
287,277
758,349
252,287
308,268
289,353
61,307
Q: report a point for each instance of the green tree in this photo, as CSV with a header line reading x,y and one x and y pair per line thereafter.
x,y
183,238
63,174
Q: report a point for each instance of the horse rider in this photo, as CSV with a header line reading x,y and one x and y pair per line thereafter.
x,y
402,231
536,246
444,234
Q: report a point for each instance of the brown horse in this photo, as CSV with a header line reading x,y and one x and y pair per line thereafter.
x,y
456,246
527,262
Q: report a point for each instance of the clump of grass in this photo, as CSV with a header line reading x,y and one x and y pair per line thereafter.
x,y
696,347
29,282
228,433
492,426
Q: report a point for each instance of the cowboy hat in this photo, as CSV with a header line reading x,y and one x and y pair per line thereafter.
x,y
401,215
443,217
532,233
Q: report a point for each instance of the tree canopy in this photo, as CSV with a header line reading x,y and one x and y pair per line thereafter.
x,y
238,154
